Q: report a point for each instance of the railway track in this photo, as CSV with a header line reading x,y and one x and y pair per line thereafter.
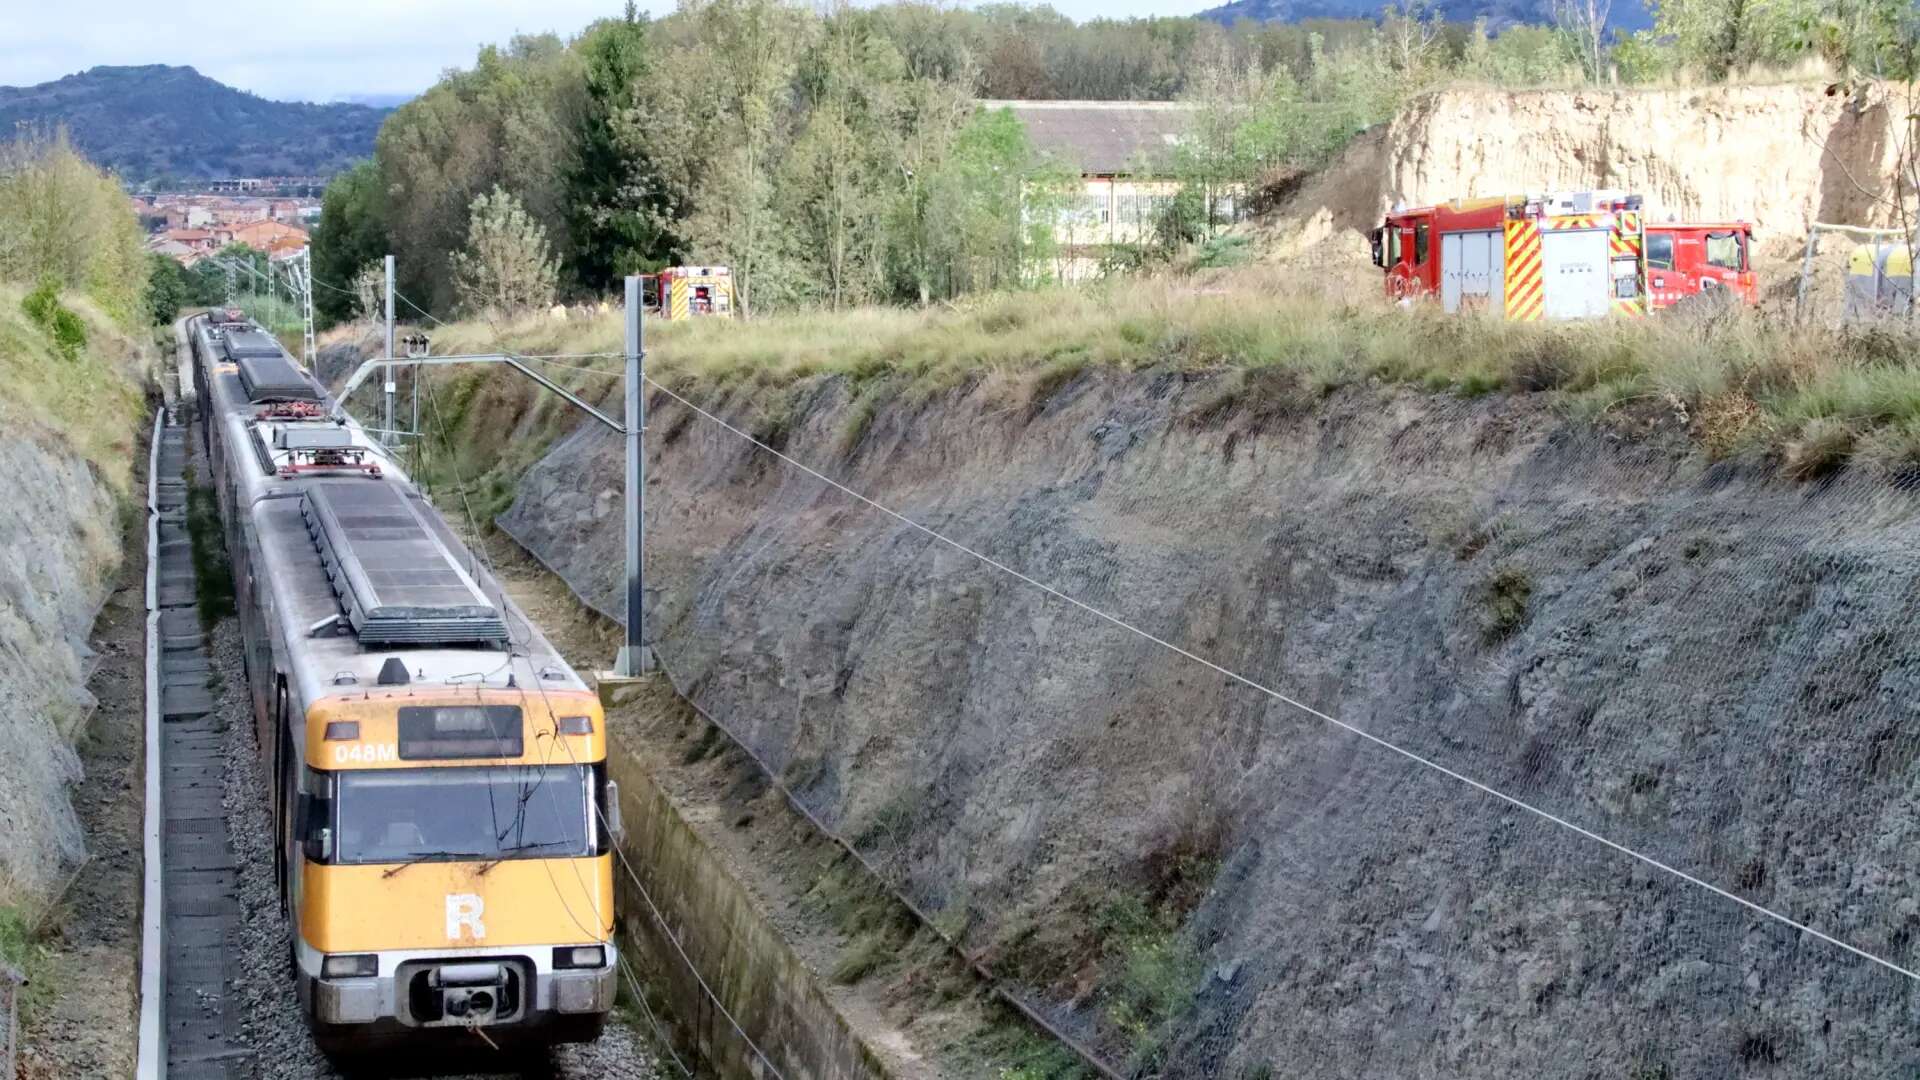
x,y
200,908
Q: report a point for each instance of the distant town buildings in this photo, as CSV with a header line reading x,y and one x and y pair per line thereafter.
x,y
189,227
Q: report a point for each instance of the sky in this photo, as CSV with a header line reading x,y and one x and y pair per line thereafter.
x,y
326,50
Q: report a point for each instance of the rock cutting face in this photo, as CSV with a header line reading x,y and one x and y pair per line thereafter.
x,y
1689,660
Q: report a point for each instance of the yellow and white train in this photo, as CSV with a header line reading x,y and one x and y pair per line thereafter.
x,y
443,819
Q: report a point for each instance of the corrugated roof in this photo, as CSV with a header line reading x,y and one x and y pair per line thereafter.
x,y
1103,137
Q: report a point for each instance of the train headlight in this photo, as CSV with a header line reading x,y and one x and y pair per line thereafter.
x,y
350,966
579,956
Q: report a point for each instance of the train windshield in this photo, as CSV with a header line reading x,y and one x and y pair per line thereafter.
x,y
460,812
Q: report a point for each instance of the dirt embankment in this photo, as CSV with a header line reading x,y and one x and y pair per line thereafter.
x,y
1780,156
1689,659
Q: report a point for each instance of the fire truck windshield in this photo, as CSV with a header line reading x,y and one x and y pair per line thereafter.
x,y
486,812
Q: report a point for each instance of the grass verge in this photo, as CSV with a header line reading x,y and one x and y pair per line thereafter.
x,y
213,576
22,951
1813,397
88,398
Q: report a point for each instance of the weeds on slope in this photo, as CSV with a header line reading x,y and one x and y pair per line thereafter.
x,y
1814,396
213,576
84,392
22,949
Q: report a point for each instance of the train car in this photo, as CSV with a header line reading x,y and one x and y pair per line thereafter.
x,y
443,821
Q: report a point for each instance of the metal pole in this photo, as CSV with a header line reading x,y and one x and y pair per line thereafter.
x,y
388,376
635,657
1806,274
306,296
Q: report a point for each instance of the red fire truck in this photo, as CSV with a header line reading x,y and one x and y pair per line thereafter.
x,y
1689,259
1528,257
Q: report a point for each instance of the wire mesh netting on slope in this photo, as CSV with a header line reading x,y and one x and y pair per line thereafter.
x,y
1470,744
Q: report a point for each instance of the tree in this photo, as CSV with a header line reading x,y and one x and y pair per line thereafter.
x,y
743,54
932,112
510,122
168,289
992,204
370,291
620,211
838,175
1532,55
1721,37
507,266
351,234
1585,23
1411,32
61,217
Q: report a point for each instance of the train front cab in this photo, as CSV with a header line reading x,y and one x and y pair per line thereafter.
x,y
450,860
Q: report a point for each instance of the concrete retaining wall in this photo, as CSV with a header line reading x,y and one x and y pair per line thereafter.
x,y
711,922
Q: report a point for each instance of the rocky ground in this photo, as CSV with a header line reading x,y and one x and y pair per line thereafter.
x,y
1686,656
60,533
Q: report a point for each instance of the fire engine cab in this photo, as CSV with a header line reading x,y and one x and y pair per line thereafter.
x,y
1527,257
1685,260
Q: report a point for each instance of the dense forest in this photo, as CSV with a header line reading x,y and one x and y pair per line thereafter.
x,y
841,156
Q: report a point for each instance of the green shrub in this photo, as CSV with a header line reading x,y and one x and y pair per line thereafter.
x,y
23,951
43,306
1504,599
866,955
1227,249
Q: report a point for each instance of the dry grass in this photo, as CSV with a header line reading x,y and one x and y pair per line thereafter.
x,y
1809,71
92,402
1747,383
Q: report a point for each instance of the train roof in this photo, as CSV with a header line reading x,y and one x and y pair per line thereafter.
x,y
360,566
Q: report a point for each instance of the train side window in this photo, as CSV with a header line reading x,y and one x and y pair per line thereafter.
x,y
1393,246
1660,251
314,813
1420,244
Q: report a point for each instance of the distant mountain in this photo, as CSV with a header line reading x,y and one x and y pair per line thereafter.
x,y
1626,15
161,121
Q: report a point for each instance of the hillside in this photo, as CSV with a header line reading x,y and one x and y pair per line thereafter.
x,y
1626,14
161,121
